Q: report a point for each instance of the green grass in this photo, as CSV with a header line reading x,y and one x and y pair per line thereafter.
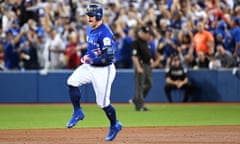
x,y
56,116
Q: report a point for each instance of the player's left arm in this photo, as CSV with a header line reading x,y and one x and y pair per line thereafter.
x,y
108,50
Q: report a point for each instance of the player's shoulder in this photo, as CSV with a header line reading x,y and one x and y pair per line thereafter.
x,y
105,26
106,30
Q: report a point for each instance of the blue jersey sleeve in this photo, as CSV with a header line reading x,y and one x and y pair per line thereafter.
x,y
101,46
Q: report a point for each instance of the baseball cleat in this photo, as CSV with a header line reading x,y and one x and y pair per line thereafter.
x,y
113,131
143,109
76,116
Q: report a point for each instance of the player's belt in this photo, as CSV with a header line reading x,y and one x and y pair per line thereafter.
x,y
100,65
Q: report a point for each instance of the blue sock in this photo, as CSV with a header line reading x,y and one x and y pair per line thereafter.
x,y
111,114
75,96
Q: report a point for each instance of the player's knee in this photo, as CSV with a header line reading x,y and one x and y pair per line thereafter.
x,y
71,82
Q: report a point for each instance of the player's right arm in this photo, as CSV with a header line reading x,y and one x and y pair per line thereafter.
x,y
137,64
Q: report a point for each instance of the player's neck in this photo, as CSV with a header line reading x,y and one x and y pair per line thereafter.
x,y
97,24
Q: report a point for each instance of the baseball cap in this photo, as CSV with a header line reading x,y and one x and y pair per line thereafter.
x,y
126,30
40,32
236,19
11,31
147,30
144,29
15,21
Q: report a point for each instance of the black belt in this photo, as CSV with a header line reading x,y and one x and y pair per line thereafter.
x,y
100,65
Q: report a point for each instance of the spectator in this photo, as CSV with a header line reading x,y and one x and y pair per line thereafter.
x,y
201,61
176,78
179,15
153,40
11,50
24,13
222,36
124,53
27,51
15,26
235,34
2,61
203,40
214,63
220,19
56,49
167,46
225,57
134,17
162,19
39,43
72,55
28,56
176,22
150,15
198,12
185,49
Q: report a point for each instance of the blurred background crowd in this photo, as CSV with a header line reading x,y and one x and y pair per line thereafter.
x,y
50,34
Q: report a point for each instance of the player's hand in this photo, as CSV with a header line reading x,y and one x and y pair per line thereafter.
x,y
86,60
140,70
177,83
180,84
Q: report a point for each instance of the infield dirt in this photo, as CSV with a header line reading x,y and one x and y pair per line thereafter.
x,y
140,135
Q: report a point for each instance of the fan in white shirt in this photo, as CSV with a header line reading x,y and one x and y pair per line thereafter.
x,y
56,49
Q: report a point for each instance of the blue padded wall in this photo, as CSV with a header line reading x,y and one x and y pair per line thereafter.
x,y
18,87
32,87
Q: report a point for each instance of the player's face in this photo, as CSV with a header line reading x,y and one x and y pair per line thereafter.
x,y
92,21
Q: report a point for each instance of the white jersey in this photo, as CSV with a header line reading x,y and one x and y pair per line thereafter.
x,y
56,59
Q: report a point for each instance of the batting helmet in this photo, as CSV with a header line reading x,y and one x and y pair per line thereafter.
x,y
95,10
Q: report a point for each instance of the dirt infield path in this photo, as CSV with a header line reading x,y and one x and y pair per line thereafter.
x,y
149,135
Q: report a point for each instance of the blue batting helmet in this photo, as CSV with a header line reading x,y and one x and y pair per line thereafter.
x,y
95,10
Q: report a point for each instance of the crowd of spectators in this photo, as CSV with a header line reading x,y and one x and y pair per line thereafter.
x,y
50,34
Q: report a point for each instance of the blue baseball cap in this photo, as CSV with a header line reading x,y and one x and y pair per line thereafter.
x,y
11,31
40,32
15,21
95,10
236,19
145,29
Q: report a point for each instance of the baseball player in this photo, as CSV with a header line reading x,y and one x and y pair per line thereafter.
x,y
98,69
